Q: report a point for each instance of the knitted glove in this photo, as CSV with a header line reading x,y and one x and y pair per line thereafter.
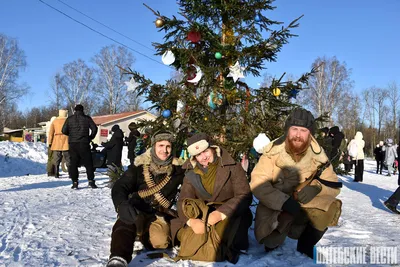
x,y
127,213
308,193
291,206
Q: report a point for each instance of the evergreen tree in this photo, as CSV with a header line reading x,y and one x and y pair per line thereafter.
x,y
214,44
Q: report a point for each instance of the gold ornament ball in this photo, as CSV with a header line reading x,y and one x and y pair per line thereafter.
x,y
276,92
205,118
159,22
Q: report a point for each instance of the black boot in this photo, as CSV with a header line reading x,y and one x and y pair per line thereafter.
x,y
391,207
92,184
74,185
308,239
57,171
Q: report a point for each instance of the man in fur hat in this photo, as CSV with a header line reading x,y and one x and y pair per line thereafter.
x,y
143,198
58,141
284,209
212,175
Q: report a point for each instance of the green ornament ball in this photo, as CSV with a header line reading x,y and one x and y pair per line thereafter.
x,y
218,55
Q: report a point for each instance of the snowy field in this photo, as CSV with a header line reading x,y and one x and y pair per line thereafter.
x,y
45,223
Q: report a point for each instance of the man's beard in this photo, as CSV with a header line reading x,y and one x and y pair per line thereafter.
x,y
297,145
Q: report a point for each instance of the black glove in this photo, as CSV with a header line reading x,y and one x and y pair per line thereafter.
x,y
127,213
308,193
291,206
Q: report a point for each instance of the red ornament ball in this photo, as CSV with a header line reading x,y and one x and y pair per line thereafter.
x,y
194,36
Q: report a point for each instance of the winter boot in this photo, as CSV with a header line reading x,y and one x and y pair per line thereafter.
x,y
117,262
92,184
74,185
56,171
308,239
391,207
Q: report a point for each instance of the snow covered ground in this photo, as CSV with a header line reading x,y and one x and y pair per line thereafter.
x,y
45,223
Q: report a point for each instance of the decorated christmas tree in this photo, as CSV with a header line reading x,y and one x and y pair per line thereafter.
x,y
214,45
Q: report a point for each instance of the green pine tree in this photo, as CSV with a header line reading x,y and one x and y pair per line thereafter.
x,y
229,31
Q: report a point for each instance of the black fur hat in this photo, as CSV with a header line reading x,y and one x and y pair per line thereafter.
x,y
300,117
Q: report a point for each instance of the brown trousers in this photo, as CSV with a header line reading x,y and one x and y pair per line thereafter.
x,y
153,231
50,165
293,227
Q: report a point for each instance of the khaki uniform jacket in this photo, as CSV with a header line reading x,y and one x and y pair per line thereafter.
x,y
275,177
231,187
58,140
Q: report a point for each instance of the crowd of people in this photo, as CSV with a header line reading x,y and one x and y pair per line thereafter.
x,y
203,204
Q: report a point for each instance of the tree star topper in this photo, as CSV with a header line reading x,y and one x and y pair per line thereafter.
x,y
236,71
132,85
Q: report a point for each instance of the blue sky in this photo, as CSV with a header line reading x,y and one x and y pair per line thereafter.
x,y
363,33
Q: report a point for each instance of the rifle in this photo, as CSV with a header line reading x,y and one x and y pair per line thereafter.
x,y
313,176
316,175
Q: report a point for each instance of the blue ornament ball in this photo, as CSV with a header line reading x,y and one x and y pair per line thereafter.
x,y
166,113
257,18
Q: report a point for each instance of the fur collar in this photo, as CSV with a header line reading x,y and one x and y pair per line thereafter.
x,y
145,158
314,153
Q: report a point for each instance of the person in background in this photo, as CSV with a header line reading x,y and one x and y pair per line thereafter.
x,y
379,156
358,161
59,142
325,140
114,148
390,155
50,168
348,163
131,141
81,130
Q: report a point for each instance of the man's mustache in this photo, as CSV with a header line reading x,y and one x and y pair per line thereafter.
x,y
297,139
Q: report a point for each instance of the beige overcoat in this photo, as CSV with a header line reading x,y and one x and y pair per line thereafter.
x,y
58,140
276,175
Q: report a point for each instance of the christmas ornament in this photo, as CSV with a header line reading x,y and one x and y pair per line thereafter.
x,y
166,113
197,76
236,71
214,100
131,85
159,22
168,58
177,123
180,106
205,118
184,154
271,45
229,36
276,91
257,18
194,36
260,142
293,93
218,55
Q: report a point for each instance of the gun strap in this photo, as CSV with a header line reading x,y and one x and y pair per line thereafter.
x,y
329,183
325,182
